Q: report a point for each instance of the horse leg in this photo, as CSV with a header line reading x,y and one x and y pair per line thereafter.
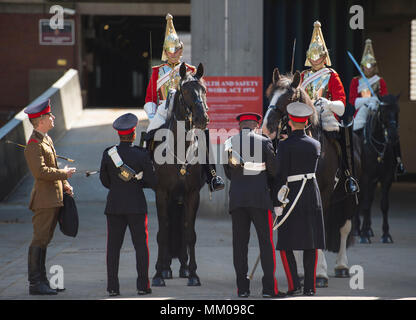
x,y
366,231
341,263
162,263
321,271
385,188
183,258
191,208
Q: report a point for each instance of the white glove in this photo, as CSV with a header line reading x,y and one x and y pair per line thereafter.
x,y
322,103
139,176
278,211
150,108
359,102
373,103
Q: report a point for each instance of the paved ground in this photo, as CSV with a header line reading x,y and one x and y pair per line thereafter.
x,y
389,269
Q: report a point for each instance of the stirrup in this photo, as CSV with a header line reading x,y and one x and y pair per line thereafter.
x,y
351,184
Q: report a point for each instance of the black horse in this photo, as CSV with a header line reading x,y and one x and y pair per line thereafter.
x,y
283,90
379,137
179,184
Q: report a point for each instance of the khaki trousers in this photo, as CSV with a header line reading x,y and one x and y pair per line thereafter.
x,y
44,222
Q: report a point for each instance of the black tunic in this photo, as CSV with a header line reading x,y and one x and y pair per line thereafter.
x,y
127,197
304,229
251,190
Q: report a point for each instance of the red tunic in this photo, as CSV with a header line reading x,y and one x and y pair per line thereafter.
x,y
354,90
152,94
335,90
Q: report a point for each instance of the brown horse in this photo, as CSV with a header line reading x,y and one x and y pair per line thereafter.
x,y
283,90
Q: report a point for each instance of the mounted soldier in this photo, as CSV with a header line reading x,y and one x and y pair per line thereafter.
x,y
360,95
325,88
163,83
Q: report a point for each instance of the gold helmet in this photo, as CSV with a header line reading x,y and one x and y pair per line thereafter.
x,y
368,60
172,42
317,47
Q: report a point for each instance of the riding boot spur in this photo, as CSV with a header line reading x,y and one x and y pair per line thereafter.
x,y
351,184
36,284
214,182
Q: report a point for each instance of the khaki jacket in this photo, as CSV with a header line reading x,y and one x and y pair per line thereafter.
x,y
40,156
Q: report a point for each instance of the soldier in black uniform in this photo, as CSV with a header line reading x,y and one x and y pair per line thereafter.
x,y
126,169
250,201
297,160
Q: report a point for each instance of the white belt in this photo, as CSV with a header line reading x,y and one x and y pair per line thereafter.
x,y
299,177
255,166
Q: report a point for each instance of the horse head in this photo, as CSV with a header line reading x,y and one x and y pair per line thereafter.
x,y
388,116
192,98
283,90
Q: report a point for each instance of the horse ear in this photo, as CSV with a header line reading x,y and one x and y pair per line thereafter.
x,y
276,75
296,80
199,71
182,70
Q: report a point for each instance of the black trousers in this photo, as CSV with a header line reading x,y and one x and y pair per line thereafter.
x,y
310,258
263,222
116,229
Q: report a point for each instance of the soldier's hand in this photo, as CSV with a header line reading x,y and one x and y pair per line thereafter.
x,y
69,171
69,190
278,211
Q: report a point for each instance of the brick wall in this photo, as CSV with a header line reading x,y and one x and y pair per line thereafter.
x,y
21,52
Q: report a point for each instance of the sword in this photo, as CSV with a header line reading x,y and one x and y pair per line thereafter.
x,y
24,147
362,75
293,55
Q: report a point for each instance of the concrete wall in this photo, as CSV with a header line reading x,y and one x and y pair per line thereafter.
x,y
66,102
227,37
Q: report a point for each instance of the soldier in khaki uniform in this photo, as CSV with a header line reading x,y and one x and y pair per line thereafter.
x,y
47,193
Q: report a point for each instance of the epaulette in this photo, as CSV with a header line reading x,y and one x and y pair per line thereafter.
x,y
160,65
32,140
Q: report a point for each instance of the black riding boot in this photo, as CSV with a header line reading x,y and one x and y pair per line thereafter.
x,y
43,270
398,155
214,182
351,184
36,284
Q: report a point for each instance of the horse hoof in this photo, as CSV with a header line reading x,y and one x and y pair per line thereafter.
x,y
158,282
342,273
167,274
194,281
386,238
321,282
183,273
370,232
365,239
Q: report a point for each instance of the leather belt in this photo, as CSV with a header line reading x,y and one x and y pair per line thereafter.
x,y
299,177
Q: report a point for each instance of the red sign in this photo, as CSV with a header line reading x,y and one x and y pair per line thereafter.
x,y
229,96
49,36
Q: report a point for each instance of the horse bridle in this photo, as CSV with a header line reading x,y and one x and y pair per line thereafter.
x,y
188,123
369,136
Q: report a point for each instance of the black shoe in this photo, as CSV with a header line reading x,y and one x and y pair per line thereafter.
x,y
217,183
41,289
244,294
279,294
308,292
44,279
113,293
295,292
142,292
351,185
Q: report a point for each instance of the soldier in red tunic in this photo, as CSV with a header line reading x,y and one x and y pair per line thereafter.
x,y
164,81
361,99
325,88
